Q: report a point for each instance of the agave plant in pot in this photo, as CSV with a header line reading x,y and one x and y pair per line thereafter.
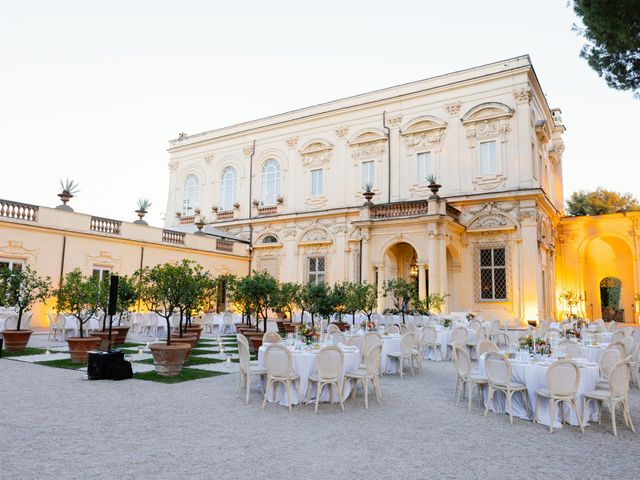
x,y
162,286
143,206
21,289
69,189
79,296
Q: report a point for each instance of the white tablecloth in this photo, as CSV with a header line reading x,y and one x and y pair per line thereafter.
x,y
593,352
534,377
444,338
304,364
72,323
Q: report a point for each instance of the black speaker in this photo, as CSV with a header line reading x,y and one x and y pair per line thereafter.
x,y
120,370
113,294
99,365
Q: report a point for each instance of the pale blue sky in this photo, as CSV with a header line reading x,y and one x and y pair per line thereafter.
x,y
94,90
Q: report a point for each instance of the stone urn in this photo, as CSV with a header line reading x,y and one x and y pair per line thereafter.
x,y
169,359
65,197
79,348
16,340
368,195
188,338
141,213
435,188
120,334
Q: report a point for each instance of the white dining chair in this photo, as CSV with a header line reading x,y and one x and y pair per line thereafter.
x,y
393,330
329,366
465,378
498,370
486,346
271,337
617,394
355,341
572,349
369,340
563,378
407,344
332,328
248,369
279,363
369,373
430,336
338,337
608,360
228,325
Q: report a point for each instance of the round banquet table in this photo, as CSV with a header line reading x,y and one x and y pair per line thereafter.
x,y
593,352
534,377
304,364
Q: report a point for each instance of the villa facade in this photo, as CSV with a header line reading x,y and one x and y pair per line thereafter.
x,y
292,185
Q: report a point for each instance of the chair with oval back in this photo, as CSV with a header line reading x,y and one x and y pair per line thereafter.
x,y
458,335
332,328
465,377
572,349
248,369
355,341
619,346
474,324
486,346
368,373
368,341
618,393
608,360
403,328
498,370
480,334
617,336
628,343
271,337
407,345
338,338
430,335
279,363
393,330
563,378
329,365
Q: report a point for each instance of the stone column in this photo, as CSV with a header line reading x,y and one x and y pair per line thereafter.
x,y
365,258
394,170
454,171
422,280
379,268
529,265
524,164
434,267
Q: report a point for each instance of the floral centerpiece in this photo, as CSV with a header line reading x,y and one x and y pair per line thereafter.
x,y
309,333
471,316
573,332
369,326
541,346
446,322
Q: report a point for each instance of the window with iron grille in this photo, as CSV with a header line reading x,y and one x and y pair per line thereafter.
x,y
492,272
315,270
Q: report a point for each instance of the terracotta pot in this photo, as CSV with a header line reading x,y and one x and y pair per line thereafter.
x,y
290,327
104,338
281,328
342,326
256,342
121,334
16,340
80,347
197,329
168,359
188,338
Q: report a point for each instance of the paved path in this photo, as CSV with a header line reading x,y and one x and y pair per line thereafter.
x,y
56,424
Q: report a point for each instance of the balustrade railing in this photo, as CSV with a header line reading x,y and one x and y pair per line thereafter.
x,y
18,211
400,209
226,215
105,225
171,236
273,210
224,245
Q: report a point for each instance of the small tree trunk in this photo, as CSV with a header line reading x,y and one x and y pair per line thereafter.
x,y
353,316
19,319
180,325
104,321
168,329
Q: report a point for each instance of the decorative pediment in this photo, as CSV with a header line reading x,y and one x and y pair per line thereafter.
x,y
486,112
424,131
315,236
268,240
16,249
368,144
104,258
491,217
316,153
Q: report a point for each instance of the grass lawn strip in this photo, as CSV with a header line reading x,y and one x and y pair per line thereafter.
x,y
186,375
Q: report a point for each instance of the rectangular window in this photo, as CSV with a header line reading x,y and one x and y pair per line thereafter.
x,y
11,264
315,270
424,166
488,158
493,274
368,173
317,182
101,273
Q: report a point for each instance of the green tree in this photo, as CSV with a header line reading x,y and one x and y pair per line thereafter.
x,y
370,302
22,288
436,301
259,291
355,299
600,202
127,296
79,296
612,31
402,292
316,297
337,301
284,300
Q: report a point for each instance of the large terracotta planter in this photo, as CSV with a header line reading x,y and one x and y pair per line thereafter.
x,y
104,338
121,334
342,326
197,329
16,340
169,359
80,347
190,339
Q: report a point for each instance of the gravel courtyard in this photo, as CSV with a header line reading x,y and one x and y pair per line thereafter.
x,y
56,424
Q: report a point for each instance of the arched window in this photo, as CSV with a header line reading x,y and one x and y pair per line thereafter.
x,y
270,239
190,197
227,188
270,190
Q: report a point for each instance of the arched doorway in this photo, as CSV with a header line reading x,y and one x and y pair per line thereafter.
x,y
401,261
610,293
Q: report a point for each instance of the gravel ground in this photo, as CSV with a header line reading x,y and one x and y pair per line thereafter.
x,y
55,423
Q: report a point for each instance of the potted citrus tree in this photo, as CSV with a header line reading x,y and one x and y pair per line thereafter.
x,y
161,287
79,296
402,292
21,288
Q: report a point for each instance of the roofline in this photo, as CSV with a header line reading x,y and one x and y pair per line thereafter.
x,y
523,61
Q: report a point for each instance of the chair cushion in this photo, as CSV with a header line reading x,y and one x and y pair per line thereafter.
x,y
478,378
357,373
257,370
599,394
